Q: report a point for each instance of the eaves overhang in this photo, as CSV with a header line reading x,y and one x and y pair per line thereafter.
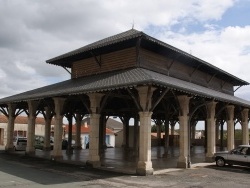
x,y
120,80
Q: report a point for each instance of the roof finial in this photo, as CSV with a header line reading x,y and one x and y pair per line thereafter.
x,y
133,24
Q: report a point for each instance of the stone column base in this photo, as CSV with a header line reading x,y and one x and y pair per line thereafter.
x,y
209,159
181,164
93,164
56,158
144,168
144,172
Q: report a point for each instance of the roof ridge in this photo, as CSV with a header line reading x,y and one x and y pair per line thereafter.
x,y
132,33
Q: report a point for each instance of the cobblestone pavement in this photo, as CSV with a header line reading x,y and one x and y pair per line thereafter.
x,y
23,171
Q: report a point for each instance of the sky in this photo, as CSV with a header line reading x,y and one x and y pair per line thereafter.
x,y
31,32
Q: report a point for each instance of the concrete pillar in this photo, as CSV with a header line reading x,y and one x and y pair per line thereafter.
x,y
183,121
58,129
230,127
32,105
244,124
47,131
78,144
210,131
10,127
144,166
94,156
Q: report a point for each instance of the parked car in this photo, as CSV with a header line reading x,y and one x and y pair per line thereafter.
x,y
39,142
237,156
20,143
105,146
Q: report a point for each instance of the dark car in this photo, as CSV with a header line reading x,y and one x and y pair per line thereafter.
x,y
237,156
64,144
106,146
39,142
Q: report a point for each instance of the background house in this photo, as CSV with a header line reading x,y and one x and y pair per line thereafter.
x,y
21,127
85,128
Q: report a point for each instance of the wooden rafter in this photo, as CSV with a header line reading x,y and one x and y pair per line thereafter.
x,y
104,101
135,100
195,69
148,97
159,99
211,78
98,61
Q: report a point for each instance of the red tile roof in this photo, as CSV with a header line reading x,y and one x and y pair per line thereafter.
x,y
84,129
24,120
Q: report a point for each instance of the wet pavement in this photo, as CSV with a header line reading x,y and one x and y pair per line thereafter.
x,y
20,171
118,160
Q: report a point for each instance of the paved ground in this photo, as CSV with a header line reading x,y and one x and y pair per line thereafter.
x,y
22,171
119,160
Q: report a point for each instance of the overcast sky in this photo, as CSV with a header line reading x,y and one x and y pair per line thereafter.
x,y
217,31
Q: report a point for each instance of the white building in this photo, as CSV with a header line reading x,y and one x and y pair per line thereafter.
x,y
21,127
85,128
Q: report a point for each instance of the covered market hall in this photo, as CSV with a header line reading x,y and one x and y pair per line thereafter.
x,y
133,75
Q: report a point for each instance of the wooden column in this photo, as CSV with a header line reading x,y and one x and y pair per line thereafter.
x,y
69,147
78,145
136,136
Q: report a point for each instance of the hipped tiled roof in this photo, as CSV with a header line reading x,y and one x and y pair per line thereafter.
x,y
66,59
101,43
111,123
84,129
122,79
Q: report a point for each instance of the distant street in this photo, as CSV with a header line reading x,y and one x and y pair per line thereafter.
x,y
21,171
